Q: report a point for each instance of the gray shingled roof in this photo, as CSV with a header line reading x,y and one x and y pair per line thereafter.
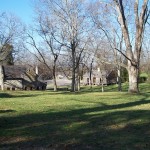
x,y
14,71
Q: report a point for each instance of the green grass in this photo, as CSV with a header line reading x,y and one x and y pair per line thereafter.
x,y
84,120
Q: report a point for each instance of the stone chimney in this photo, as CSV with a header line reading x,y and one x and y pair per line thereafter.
x,y
36,70
1,78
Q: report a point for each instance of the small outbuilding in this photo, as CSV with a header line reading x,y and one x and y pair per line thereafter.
x,y
20,78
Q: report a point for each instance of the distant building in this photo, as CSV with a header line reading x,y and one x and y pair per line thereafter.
x,y
100,77
20,77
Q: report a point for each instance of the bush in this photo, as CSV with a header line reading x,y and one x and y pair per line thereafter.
x,y
143,77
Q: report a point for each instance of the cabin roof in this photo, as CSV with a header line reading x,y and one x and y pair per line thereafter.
x,y
95,73
14,71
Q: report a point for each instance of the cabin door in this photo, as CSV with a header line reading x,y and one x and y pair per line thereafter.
x,y
94,80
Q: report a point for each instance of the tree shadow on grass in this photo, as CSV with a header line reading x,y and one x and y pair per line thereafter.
x,y
94,90
10,95
7,111
88,128
145,100
5,95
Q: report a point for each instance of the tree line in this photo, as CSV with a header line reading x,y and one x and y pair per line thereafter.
x,y
79,34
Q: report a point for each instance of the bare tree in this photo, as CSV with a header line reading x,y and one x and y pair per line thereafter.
x,y
47,33
133,52
44,48
71,30
11,30
132,29
10,33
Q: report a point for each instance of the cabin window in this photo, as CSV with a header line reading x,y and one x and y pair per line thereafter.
x,y
13,88
100,80
88,81
94,80
8,88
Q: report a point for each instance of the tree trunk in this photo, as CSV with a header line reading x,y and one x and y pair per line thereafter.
x,y
54,76
102,86
102,80
133,72
73,84
119,78
73,80
73,49
55,83
78,83
91,68
90,79
1,78
78,79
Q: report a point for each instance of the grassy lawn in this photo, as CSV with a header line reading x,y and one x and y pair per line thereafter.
x,y
75,121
